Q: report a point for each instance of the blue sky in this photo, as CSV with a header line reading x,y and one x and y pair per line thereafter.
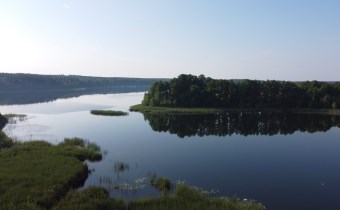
x,y
255,39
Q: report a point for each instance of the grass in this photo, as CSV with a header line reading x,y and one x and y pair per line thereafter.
x,y
90,199
36,174
179,110
191,199
161,183
172,110
184,197
108,113
5,142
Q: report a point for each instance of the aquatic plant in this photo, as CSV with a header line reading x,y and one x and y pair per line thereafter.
x,y
92,149
161,183
121,166
109,113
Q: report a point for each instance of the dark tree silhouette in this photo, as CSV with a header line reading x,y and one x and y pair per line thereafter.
x,y
193,91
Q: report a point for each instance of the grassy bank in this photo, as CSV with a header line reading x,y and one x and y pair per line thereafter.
x,y
173,110
108,113
36,174
184,197
178,110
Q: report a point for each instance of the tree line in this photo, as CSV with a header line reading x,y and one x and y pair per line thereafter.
x,y
26,82
201,91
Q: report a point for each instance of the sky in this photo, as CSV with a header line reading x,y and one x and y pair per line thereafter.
x,y
227,39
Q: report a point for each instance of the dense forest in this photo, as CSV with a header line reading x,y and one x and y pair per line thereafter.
x,y
28,82
201,91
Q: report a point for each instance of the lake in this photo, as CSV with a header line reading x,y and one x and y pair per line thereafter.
x,y
284,161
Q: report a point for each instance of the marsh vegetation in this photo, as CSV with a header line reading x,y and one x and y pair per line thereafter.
x,y
109,113
36,174
184,197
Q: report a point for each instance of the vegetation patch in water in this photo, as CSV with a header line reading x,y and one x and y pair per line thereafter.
x,y
108,113
161,183
120,167
184,197
36,174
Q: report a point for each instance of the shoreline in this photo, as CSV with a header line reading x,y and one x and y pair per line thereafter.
x,y
202,110
47,176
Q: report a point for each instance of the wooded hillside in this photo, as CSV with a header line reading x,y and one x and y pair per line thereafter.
x,y
26,82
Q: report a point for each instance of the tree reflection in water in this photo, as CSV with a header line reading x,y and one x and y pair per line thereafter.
x,y
243,123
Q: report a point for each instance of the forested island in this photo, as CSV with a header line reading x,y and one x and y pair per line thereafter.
x,y
199,91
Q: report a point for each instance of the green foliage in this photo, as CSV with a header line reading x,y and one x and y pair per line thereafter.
x,y
89,199
3,121
35,175
5,142
193,91
192,199
75,141
108,113
184,198
334,105
161,183
91,150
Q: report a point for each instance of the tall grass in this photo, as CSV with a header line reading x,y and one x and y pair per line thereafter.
x,y
187,198
184,198
36,174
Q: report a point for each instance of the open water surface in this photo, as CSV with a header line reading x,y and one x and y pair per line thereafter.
x,y
284,161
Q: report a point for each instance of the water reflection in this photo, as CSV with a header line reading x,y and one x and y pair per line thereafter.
x,y
245,124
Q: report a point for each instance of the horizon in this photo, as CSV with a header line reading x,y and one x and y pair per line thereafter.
x,y
167,78
260,40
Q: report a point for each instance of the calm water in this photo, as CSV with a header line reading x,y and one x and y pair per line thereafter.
x,y
284,161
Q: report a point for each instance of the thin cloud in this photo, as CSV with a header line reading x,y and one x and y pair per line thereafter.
x,y
67,6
